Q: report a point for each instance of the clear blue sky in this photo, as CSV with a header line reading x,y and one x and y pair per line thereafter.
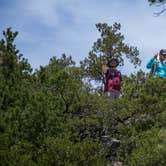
x,y
51,27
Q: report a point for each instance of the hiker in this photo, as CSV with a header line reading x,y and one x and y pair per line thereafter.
x,y
158,64
113,78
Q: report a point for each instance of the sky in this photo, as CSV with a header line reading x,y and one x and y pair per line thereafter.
x,y
53,27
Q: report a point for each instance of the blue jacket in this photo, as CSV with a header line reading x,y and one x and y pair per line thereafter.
x,y
160,68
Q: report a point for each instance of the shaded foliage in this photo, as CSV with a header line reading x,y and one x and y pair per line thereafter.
x,y
51,116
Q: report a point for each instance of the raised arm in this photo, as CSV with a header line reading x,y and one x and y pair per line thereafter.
x,y
149,65
104,67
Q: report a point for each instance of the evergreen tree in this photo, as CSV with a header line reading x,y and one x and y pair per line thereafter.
x,y
110,44
51,116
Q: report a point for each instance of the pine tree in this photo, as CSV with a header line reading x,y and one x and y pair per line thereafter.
x,y
110,45
51,116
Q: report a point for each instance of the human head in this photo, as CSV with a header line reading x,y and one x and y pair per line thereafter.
x,y
162,54
113,63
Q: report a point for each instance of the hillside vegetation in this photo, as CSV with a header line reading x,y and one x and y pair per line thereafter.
x,y
53,117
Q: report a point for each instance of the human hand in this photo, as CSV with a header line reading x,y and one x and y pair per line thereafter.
x,y
156,55
104,61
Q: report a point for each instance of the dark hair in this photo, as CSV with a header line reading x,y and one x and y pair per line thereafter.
x,y
163,52
113,59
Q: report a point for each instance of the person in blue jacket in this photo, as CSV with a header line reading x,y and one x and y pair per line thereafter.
x,y
158,64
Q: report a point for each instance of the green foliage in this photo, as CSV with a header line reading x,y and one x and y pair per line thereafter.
x,y
51,116
39,113
63,152
138,120
110,44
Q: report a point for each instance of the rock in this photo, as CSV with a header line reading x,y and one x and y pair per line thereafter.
x,y
111,145
117,163
109,142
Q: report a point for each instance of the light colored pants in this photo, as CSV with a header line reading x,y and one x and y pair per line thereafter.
x,y
113,95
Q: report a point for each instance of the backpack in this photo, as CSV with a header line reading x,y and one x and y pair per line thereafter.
x,y
113,80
